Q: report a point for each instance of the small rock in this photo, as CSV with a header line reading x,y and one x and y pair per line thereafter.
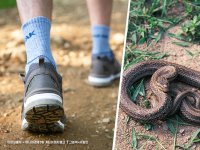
x,y
150,143
20,100
66,90
97,131
6,131
194,147
98,121
182,131
106,120
5,56
5,115
66,45
73,115
185,140
165,128
109,137
118,38
93,135
122,117
113,95
73,55
58,40
66,60
106,130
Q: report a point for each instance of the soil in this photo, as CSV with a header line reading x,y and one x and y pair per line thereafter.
x,y
90,111
179,55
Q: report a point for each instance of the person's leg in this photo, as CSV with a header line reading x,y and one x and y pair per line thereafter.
x,y
36,24
42,106
104,68
30,9
100,11
100,16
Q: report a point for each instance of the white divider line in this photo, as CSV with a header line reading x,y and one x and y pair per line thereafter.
x,y
122,66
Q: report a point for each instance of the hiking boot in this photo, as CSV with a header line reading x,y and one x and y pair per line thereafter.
x,y
42,109
103,71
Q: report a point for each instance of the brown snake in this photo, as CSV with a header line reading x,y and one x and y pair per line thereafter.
x,y
163,73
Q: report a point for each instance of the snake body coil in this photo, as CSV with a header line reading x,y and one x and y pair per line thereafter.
x,y
162,73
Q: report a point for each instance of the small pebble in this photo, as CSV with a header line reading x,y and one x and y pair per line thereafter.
x,y
182,131
108,136
5,115
194,147
73,115
106,130
66,45
97,131
165,128
6,131
106,120
58,40
118,38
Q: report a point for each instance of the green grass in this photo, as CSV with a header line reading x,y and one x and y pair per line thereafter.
x,y
183,44
149,20
136,137
133,56
190,30
195,138
7,4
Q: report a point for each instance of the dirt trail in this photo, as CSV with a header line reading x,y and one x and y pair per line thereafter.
x,y
90,111
177,54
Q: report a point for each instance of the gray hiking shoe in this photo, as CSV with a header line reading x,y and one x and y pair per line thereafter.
x,y
42,109
103,71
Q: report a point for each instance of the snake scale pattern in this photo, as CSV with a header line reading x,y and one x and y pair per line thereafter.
x,y
163,73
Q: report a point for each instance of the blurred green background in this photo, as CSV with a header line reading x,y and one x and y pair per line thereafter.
x,y
7,4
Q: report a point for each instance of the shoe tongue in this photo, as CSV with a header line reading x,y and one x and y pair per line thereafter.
x,y
33,66
41,60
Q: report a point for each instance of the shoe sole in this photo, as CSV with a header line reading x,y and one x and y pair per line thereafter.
x,y
100,82
43,112
43,128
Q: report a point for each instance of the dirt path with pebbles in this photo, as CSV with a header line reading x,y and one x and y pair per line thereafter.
x,y
90,111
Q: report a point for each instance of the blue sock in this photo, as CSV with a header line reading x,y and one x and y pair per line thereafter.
x,y
37,40
100,37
